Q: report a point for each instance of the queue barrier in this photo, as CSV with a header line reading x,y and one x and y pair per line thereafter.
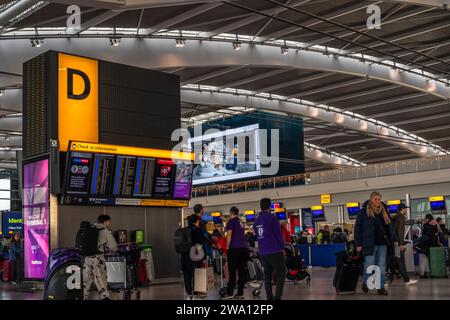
x,y
322,255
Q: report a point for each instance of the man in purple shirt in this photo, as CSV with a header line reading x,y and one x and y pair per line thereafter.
x,y
271,249
237,254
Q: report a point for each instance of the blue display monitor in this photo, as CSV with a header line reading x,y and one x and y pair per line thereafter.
x,y
353,212
318,213
393,208
438,206
282,216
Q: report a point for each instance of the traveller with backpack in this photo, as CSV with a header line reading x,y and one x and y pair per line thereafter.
x,y
93,241
338,236
189,243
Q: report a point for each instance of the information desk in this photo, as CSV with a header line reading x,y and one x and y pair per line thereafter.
x,y
322,255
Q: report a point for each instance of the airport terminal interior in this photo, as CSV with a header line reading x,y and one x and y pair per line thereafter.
x,y
130,128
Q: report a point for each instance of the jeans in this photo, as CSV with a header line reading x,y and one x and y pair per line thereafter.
x,y
236,262
274,262
379,259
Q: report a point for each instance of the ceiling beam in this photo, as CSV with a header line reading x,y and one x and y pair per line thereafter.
x,y
359,94
15,10
409,109
180,18
343,11
286,84
264,75
105,16
387,101
327,88
213,74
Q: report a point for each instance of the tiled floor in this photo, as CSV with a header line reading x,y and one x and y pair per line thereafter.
x,y
320,288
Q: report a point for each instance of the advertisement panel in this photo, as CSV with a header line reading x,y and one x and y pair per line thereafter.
x,y
79,172
12,222
36,218
163,178
183,180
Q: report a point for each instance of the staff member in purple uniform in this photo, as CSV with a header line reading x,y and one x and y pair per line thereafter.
x,y
237,254
271,249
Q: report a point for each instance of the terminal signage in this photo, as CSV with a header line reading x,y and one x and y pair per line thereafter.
x,y
353,209
77,99
325,198
437,204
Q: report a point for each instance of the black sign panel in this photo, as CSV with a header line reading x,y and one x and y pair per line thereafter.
x,y
162,187
80,165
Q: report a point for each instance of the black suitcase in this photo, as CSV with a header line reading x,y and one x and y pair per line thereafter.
x,y
348,271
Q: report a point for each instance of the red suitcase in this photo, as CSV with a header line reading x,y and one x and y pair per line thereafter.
x,y
141,271
6,276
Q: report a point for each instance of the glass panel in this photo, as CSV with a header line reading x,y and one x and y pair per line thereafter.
x,y
406,166
419,208
428,164
330,176
349,174
367,172
387,169
444,162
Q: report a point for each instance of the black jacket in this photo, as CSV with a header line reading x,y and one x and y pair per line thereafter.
x,y
365,231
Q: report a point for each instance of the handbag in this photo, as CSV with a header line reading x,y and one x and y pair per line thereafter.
x,y
197,253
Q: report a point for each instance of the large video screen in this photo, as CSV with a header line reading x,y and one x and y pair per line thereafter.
x,y
36,218
226,155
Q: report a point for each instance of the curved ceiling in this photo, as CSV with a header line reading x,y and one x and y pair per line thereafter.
x,y
398,74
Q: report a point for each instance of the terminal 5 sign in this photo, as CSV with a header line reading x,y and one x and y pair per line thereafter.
x,y
77,99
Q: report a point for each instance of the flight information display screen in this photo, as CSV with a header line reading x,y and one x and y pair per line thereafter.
x,y
79,172
103,174
124,176
145,170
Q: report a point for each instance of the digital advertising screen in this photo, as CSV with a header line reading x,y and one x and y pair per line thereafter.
x,y
102,174
124,176
145,170
227,155
79,172
183,180
36,218
12,222
164,172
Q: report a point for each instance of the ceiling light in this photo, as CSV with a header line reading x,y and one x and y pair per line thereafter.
x,y
180,43
284,50
424,150
36,43
340,118
363,125
236,45
114,41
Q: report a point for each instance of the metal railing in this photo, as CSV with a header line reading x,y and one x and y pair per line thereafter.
x,y
337,175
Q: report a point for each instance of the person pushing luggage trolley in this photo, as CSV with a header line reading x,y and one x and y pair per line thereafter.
x,y
93,241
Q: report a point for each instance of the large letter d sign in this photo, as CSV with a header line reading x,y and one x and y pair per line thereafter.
x,y
374,281
70,83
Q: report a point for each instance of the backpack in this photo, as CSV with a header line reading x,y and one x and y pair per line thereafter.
x,y
183,240
87,239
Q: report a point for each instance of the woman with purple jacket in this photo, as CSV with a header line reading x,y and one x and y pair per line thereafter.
x,y
271,249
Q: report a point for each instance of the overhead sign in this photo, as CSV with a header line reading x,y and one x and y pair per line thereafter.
x,y
216,214
325,198
12,222
393,202
436,198
77,99
129,151
352,204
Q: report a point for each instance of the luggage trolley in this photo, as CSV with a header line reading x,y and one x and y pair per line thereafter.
x,y
256,273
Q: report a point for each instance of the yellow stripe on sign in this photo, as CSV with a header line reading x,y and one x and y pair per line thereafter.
x,y
177,203
317,208
249,212
436,198
216,214
129,151
153,203
393,202
352,204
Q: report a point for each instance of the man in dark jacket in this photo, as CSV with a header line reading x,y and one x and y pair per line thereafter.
x,y
373,234
399,220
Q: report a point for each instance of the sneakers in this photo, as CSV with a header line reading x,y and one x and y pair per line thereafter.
x,y
410,282
228,297
382,292
190,297
365,289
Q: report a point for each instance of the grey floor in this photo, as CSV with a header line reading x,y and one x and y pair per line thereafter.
x,y
320,288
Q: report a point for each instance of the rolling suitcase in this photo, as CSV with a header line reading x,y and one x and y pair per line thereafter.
x,y
6,276
438,267
348,271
